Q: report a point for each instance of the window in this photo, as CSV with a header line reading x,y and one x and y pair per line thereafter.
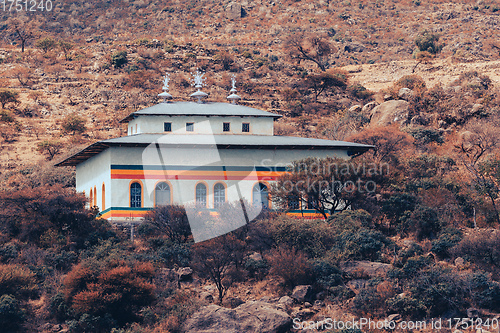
x,y
167,127
245,127
219,195
226,127
201,194
135,195
293,201
189,127
162,194
260,195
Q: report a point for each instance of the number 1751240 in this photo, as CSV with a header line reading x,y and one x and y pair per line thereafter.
x,y
26,5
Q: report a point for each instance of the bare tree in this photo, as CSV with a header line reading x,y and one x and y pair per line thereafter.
x,y
23,29
310,48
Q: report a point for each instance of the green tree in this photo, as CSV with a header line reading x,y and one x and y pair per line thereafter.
x,y
8,96
46,44
119,59
73,123
323,81
428,42
65,48
49,148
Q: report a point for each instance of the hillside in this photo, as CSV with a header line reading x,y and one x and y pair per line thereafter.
x,y
419,80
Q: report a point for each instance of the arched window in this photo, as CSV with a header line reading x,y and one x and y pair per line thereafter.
x,y
135,195
261,195
201,194
162,194
219,195
103,197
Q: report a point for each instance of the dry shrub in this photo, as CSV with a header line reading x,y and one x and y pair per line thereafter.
x,y
17,280
284,129
291,265
481,247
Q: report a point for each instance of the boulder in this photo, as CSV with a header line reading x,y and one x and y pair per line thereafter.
x,y
459,262
255,256
367,108
286,300
234,302
394,317
233,11
206,297
354,47
302,293
185,274
405,93
355,108
394,111
253,316
473,313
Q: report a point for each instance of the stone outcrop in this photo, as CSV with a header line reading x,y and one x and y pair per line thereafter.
x,y
252,316
387,113
233,11
302,293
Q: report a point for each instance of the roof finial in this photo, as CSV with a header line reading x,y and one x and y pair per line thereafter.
x,y
233,97
165,95
198,82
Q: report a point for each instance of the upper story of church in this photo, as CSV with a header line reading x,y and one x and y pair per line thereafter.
x,y
190,118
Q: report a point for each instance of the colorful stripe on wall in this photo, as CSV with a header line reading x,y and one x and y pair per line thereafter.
x,y
176,172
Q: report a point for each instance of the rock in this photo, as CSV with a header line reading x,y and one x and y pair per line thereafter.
x,y
318,304
405,93
234,302
307,305
395,111
302,293
387,97
367,108
459,262
473,313
477,108
185,274
394,317
356,285
355,108
266,299
303,314
354,47
233,11
372,269
419,120
252,316
255,256
286,300
206,296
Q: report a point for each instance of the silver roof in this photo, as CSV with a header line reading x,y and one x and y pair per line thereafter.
x,y
218,141
200,109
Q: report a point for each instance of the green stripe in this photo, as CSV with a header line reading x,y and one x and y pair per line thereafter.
x,y
200,168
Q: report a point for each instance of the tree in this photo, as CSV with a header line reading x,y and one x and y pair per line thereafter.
x,y
170,220
323,81
326,185
428,41
214,258
65,48
46,44
25,76
23,29
50,148
119,59
72,123
8,96
310,48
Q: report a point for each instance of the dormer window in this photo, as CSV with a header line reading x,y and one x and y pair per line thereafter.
x,y
167,127
245,127
226,127
189,127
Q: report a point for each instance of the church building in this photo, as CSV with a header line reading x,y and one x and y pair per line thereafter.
x,y
187,152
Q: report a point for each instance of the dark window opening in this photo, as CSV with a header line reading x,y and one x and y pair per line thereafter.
x,y
226,127
167,127
189,127
245,127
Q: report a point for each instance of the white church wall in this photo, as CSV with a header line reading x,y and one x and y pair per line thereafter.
x,y
155,124
95,172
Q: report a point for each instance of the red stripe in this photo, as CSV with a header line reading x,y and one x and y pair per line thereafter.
x,y
180,177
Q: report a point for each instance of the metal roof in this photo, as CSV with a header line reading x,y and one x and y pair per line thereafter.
x,y
217,141
199,109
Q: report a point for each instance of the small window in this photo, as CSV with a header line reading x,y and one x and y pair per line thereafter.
x,y
245,127
226,127
167,127
189,127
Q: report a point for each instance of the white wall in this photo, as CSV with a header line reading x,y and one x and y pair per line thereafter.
x,y
94,172
154,124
